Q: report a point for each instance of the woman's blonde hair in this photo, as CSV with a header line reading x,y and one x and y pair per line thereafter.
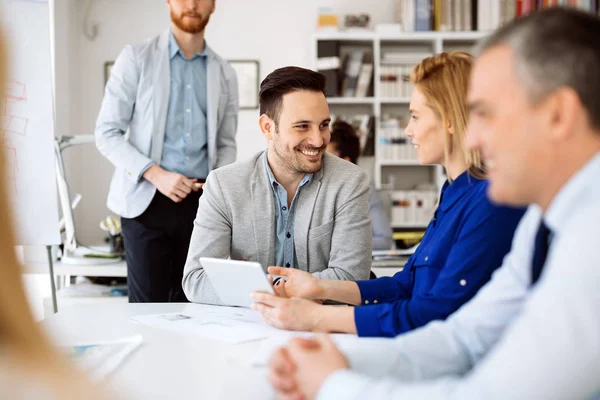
x,y
21,338
444,79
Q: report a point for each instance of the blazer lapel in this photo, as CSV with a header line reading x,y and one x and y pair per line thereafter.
x,y
162,87
303,217
263,213
213,89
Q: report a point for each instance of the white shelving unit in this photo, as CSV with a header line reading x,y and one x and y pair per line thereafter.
x,y
351,100
404,173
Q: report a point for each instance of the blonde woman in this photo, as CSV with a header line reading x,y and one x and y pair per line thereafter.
x,y
464,243
29,367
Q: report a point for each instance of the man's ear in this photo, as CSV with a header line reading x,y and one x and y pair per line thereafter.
x,y
562,113
267,126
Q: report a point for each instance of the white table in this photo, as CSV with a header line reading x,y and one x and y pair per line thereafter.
x,y
167,365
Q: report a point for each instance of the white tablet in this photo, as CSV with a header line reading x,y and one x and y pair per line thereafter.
x,y
235,280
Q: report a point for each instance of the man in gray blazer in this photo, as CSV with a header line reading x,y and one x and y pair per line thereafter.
x,y
294,205
168,117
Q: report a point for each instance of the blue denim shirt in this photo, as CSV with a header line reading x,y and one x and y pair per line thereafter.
x,y
284,219
185,147
464,243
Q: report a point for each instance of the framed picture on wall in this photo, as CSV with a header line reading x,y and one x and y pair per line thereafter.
x,y
107,66
247,72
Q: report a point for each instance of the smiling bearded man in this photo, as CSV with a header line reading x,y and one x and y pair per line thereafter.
x,y
293,205
179,101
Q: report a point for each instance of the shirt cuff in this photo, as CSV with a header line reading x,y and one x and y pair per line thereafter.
x,y
379,290
146,168
343,384
367,321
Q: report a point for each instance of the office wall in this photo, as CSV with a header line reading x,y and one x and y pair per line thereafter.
x,y
64,31
275,32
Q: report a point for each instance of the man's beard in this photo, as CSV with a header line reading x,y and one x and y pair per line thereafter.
x,y
195,25
293,162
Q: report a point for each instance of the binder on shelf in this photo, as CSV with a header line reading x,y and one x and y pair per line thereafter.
x,y
352,71
366,75
328,63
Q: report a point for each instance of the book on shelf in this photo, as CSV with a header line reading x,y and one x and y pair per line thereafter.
x,y
351,69
369,147
423,13
366,75
394,145
395,73
473,15
413,207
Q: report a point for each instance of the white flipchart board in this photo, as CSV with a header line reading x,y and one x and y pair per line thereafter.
x,y
27,122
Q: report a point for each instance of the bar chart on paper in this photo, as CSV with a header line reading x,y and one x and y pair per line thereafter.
x,y
27,123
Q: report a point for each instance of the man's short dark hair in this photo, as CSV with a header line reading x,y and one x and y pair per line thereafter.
x,y
283,81
557,47
347,143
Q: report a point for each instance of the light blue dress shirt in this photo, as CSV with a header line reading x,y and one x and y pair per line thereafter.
x,y
285,255
512,340
185,148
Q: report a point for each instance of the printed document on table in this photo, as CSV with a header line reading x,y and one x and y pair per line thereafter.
x,y
100,358
229,324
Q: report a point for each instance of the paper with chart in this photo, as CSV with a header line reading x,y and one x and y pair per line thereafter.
x,y
229,324
100,358
27,123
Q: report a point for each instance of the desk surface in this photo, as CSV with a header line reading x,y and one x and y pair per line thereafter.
x,y
167,365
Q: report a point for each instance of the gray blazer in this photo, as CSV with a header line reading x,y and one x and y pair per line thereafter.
x,y
236,218
135,102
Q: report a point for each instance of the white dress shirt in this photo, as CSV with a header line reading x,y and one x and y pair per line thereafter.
x,y
512,340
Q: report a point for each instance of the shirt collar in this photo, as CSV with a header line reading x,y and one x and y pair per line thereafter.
x,y
274,182
174,48
452,192
561,207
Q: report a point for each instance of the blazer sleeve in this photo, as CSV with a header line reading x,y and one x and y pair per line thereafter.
x,y
351,241
478,250
211,237
382,231
226,144
115,116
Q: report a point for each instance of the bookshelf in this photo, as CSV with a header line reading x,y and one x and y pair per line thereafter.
x,y
393,55
351,100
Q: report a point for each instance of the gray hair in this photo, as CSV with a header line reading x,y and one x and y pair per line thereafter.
x,y
557,47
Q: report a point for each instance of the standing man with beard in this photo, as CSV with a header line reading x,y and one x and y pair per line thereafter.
x,y
179,102
293,205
